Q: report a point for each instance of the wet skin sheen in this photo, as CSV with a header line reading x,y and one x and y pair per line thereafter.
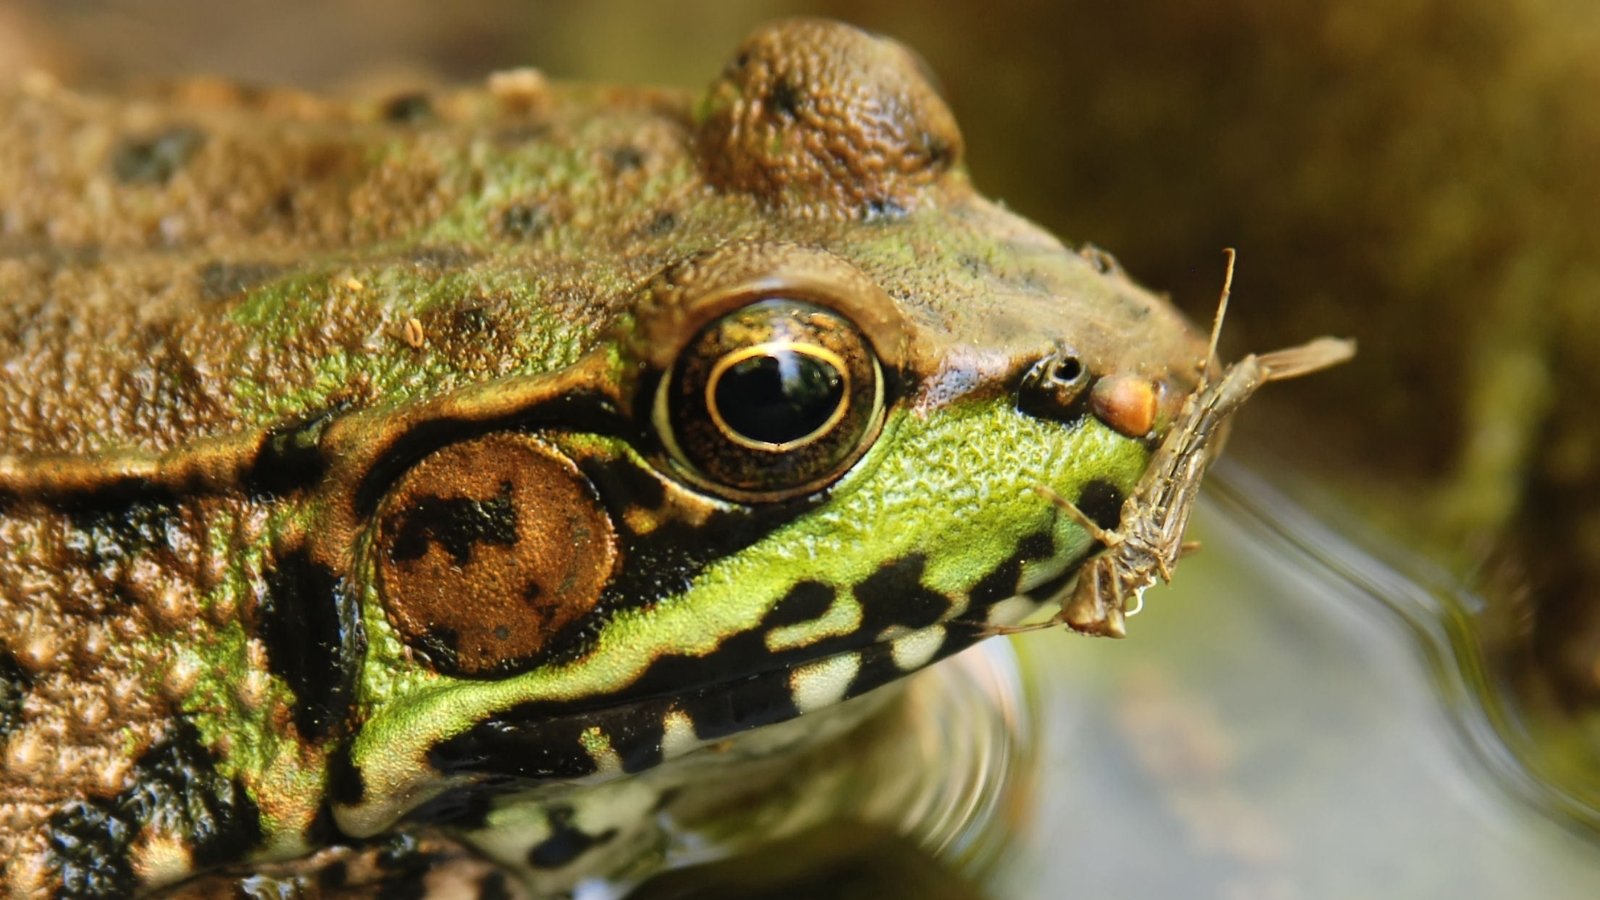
x,y
381,482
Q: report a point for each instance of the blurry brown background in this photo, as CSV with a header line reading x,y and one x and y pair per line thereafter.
x,y
1421,174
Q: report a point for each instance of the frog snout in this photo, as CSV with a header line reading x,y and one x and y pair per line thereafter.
x,y
1060,387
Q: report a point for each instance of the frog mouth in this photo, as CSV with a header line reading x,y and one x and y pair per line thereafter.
x,y
542,741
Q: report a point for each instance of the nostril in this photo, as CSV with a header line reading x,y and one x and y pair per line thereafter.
x,y
1064,370
1054,388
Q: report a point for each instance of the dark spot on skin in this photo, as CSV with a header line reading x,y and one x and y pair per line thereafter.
x,y
661,224
894,595
290,457
473,320
940,153
524,220
283,204
176,784
1001,582
14,685
784,99
805,602
565,843
155,158
456,524
106,534
626,159
1101,501
224,280
879,208
408,108
494,886
89,849
311,626
345,784
441,257
974,266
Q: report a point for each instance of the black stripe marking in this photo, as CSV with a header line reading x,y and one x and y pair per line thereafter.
x,y
752,703
588,411
878,667
290,456
311,626
1001,582
462,809
174,784
119,532
895,595
532,750
1101,501
15,682
566,843
540,741
345,784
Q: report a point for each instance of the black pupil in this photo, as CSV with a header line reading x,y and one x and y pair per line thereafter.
x,y
779,396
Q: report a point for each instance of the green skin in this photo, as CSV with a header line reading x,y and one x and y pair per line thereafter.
x,y
231,324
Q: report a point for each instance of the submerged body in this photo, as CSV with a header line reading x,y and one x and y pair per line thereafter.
x,y
426,466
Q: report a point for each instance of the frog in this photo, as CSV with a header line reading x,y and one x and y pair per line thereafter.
x,y
430,489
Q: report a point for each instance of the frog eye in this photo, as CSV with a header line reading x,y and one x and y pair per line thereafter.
x,y
775,398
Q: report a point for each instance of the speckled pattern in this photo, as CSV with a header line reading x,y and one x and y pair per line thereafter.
x,y
233,320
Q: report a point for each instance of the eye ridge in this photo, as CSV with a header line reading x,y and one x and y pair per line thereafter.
x,y
836,392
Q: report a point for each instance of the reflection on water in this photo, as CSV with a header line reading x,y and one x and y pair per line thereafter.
x,y
935,785
1295,718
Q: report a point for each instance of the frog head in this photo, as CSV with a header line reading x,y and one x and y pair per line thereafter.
x,y
800,459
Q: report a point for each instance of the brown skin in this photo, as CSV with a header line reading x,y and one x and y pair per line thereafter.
x,y
232,319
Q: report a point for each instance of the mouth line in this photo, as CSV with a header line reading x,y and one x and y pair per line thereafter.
x,y
544,741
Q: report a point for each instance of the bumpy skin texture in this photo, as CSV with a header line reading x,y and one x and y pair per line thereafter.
x,y
233,324
826,121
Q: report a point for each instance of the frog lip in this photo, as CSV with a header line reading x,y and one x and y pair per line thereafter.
x,y
538,741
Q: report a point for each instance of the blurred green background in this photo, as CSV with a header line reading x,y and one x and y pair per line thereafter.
x,y
1423,175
